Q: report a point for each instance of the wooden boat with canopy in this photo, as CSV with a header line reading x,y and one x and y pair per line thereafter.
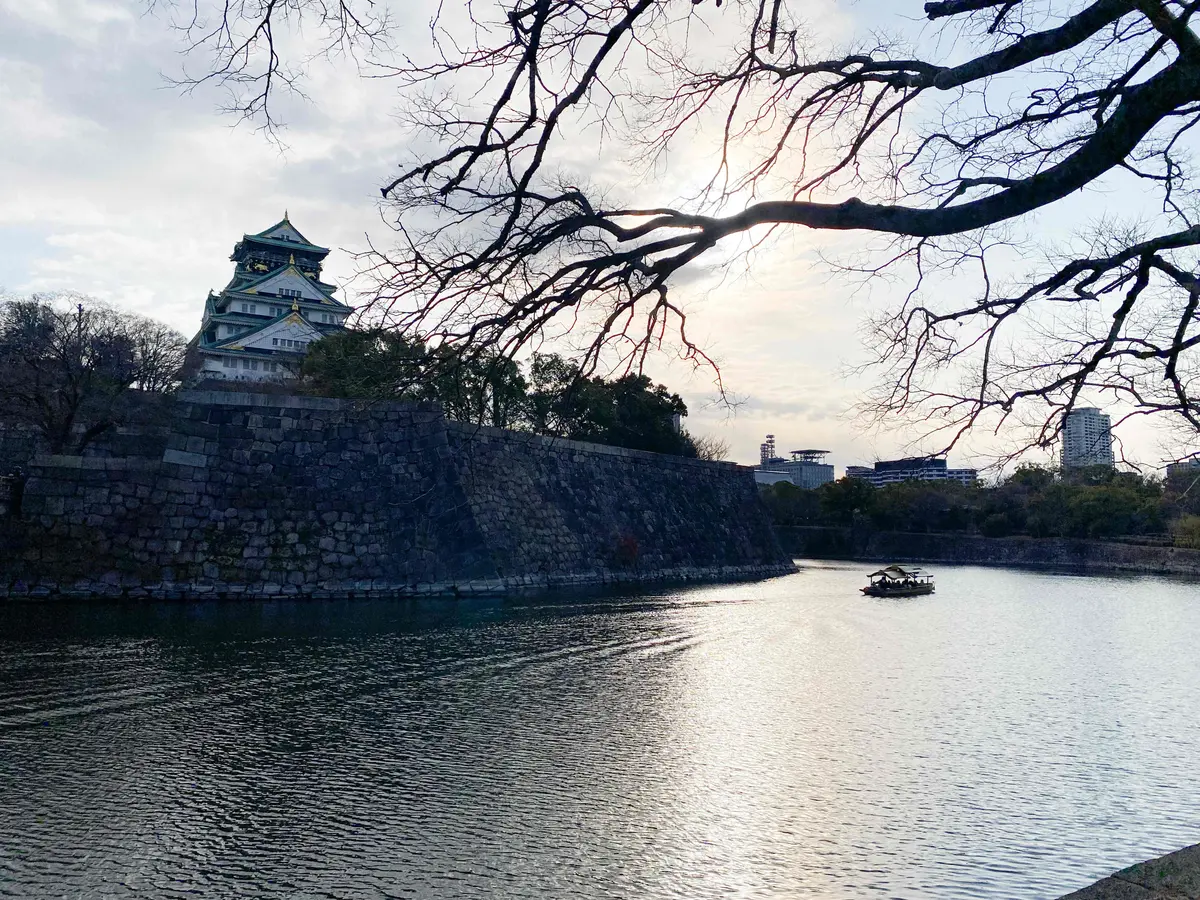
x,y
899,581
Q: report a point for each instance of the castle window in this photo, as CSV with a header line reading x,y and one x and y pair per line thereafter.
x,y
274,342
245,364
289,292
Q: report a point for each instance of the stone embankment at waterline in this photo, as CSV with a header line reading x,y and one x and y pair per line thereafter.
x,y
265,495
1175,876
1045,553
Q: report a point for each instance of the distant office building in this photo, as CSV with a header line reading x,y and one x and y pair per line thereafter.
x,y
913,468
1187,467
1086,439
806,468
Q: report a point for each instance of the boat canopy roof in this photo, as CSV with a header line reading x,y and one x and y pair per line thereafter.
x,y
897,572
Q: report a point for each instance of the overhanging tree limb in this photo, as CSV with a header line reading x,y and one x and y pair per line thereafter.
x,y
504,240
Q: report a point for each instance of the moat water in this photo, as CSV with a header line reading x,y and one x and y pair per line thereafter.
x,y
1015,735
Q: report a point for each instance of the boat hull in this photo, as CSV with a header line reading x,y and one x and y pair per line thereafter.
x,y
914,590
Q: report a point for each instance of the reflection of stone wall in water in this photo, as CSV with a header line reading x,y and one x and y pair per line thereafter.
x,y
283,495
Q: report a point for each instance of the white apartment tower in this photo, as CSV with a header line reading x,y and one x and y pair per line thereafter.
x,y
1087,439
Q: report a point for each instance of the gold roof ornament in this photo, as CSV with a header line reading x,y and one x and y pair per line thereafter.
x,y
295,304
291,259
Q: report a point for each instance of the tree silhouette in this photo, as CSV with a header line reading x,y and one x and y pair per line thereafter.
x,y
67,363
1021,105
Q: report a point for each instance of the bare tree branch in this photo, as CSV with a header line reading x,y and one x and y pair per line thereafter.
x,y
504,242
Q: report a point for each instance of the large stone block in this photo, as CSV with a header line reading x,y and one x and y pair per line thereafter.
x,y
185,458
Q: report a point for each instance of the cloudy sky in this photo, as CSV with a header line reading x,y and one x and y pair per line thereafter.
x,y
116,184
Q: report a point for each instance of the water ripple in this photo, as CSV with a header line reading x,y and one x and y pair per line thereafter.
x,y
1014,735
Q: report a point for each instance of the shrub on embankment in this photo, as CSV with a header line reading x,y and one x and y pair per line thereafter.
x,y
831,542
1100,504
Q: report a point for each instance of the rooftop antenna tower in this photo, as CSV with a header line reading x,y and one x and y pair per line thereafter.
x,y
766,450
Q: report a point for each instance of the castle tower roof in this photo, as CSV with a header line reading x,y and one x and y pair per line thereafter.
x,y
276,304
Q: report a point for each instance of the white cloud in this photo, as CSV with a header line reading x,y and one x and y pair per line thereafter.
x,y
117,185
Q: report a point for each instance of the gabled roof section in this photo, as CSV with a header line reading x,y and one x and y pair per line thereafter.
x,y
291,322
290,276
239,283
284,232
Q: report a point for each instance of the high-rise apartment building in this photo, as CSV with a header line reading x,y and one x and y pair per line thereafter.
x,y
1086,439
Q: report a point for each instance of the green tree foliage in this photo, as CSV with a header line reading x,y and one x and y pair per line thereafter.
x,y
489,390
1186,530
842,501
67,363
630,411
1095,503
371,364
554,399
790,505
924,506
1182,494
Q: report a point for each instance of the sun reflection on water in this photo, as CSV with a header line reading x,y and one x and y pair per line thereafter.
x,y
1015,734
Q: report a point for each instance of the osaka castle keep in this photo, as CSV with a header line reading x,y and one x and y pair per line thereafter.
x,y
259,327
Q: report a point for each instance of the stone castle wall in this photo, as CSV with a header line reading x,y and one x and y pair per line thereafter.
x,y
21,442
18,445
268,495
547,505
820,542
